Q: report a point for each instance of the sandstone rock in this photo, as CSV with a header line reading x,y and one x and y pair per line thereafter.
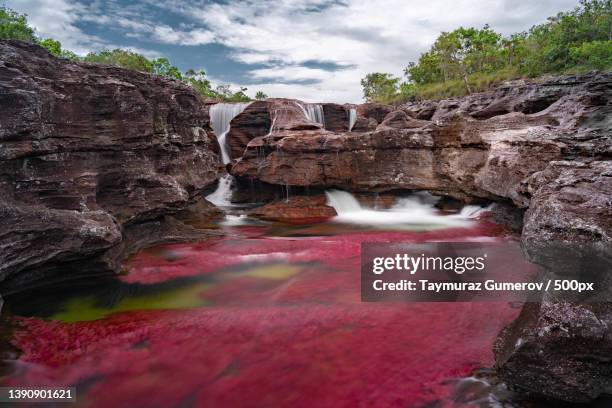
x,y
557,349
370,115
296,210
87,152
456,154
375,111
253,122
336,117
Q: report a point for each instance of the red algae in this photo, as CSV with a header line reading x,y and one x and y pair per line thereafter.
x,y
283,325
179,260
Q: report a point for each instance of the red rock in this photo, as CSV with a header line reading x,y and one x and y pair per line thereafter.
x,y
296,210
253,122
336,117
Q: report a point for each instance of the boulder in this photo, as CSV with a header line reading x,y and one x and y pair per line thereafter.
x,y
296,210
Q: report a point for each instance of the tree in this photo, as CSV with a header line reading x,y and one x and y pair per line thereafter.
x,y
121,58
199,82
15,26
238,96
379,87
53,46
163,67
260,96
594,54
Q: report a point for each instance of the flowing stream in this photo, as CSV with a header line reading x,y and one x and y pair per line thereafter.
x,y
407,213
261,313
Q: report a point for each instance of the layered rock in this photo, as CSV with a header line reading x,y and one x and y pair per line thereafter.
x,y
253,122
88,152
336,117
460,152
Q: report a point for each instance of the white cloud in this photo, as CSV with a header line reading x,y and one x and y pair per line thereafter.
x,y
287,36
369,36
168,35
57,19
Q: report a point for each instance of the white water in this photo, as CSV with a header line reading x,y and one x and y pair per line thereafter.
x,y
313,112
352,118
417,211
221,115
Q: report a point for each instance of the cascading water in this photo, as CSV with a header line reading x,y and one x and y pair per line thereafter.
x,y
415,212
313,112
352,118
221,114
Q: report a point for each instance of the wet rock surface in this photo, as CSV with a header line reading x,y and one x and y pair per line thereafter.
x,y
87,152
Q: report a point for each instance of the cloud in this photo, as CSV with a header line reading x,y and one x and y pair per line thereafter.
x,y
57,19
273,44
168,35
369,36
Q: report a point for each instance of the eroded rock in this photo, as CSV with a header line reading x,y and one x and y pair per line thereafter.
x,y
87,152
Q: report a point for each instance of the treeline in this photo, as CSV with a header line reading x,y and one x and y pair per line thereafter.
x,y
15,26
470,60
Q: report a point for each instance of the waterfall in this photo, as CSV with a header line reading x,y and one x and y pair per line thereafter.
x,y
342,201
313,112
221,115
474,211
414,213
352,118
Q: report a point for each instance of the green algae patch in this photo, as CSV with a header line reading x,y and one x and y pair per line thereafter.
x,y
88,309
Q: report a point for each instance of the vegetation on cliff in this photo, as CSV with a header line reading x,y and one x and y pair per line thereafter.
x,y
15,26
469,60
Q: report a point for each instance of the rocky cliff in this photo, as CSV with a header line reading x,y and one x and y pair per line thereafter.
x,y
93,161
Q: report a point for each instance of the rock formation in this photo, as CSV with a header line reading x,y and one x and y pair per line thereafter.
x,y
93,159
542,148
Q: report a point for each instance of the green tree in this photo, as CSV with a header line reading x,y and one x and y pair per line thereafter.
x,y
260,96
238,96
594,54
198,81
53,46
163,67
15,26
379,87
121,58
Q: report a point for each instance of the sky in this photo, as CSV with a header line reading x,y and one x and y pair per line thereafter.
x,y
314,50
